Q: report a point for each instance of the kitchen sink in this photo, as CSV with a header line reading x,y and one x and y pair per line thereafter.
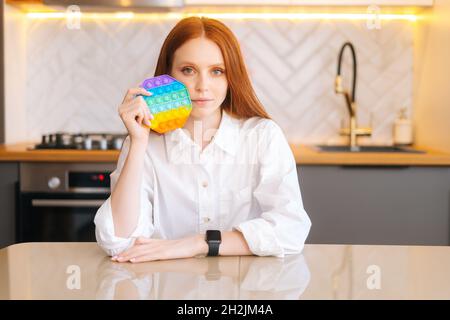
x,y
393,149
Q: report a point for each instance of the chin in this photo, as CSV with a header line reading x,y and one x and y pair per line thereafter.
x,y
200,113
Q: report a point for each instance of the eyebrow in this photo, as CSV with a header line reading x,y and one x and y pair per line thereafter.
x,y
213,65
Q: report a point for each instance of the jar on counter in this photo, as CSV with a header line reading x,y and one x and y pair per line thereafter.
x,y
403,129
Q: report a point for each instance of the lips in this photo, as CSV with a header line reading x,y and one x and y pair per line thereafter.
x,y
202,102
199,100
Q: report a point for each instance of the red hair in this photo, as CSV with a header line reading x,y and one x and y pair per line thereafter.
x,y
241,100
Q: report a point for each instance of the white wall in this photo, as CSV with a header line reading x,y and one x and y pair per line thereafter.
x,y
74,80
432,85
15,75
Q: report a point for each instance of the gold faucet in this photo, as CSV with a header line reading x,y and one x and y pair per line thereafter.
x,y
352,131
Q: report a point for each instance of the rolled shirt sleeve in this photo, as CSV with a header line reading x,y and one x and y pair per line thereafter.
x,y
284,224
104,224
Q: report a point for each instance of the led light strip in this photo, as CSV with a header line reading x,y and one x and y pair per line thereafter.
x,y
237,16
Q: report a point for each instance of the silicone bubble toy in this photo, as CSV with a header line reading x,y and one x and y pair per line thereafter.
x,y
169,103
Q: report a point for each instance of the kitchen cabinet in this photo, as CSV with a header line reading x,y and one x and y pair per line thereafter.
x,y
9,176
402,205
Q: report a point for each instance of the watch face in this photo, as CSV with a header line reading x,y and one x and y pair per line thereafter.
x,y
213,235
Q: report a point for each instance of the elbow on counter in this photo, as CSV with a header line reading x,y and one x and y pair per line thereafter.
x,y
306,228
105,234
111,247
300,229
268,237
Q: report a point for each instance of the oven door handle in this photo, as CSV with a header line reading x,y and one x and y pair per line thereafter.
x,y
66,203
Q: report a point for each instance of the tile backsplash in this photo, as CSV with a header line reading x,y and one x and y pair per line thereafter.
x,y
76,79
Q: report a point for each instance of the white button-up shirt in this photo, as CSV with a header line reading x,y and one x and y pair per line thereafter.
x,y
245,180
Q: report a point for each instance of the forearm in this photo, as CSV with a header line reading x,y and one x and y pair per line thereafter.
x,y
233,244
125,198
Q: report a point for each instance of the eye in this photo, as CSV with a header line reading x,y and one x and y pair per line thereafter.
x,y
218,72
187,70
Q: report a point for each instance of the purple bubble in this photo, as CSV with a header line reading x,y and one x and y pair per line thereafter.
x,y
169,78
147,84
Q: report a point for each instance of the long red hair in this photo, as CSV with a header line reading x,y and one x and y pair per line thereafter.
x,y
241,100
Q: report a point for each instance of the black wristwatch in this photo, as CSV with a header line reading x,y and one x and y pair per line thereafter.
x,y
213,238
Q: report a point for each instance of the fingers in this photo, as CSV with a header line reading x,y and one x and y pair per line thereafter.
x,y
142,247
140,111
147,257
126,255
131,93
152,253
139,116
136,249
149,114
145,118
135,113
142,240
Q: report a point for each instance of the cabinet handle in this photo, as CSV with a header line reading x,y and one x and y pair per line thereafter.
x,y
66,203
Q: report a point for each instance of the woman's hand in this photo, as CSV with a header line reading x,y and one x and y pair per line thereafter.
x,y
145,249
135,114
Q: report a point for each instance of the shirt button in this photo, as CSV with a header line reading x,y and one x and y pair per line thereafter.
x,y
206,219
204,184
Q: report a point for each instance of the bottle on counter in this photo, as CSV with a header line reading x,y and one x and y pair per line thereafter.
x,y
403,130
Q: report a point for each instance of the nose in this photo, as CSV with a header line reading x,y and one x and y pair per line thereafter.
x,y
202,83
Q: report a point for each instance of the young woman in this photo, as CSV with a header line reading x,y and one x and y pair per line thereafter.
x,y
228,173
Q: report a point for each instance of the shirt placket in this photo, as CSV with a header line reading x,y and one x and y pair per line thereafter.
x,y
207,216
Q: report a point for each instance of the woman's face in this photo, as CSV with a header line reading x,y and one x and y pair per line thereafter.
x,y
198,63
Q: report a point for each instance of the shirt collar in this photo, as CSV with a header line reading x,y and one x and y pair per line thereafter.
x,y
226,137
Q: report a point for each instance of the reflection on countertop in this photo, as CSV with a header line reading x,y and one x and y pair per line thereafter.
x,y
210,278
83,271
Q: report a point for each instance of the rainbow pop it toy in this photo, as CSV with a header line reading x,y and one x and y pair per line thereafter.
x,y
169,103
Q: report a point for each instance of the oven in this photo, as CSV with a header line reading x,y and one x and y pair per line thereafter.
x,y
57,202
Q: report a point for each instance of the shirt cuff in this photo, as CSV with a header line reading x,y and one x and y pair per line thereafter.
x,y
260,238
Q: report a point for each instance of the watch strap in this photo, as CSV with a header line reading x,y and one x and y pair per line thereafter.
x,y
213,248
213,238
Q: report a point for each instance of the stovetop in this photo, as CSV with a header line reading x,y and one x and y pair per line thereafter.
x,y
81,141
